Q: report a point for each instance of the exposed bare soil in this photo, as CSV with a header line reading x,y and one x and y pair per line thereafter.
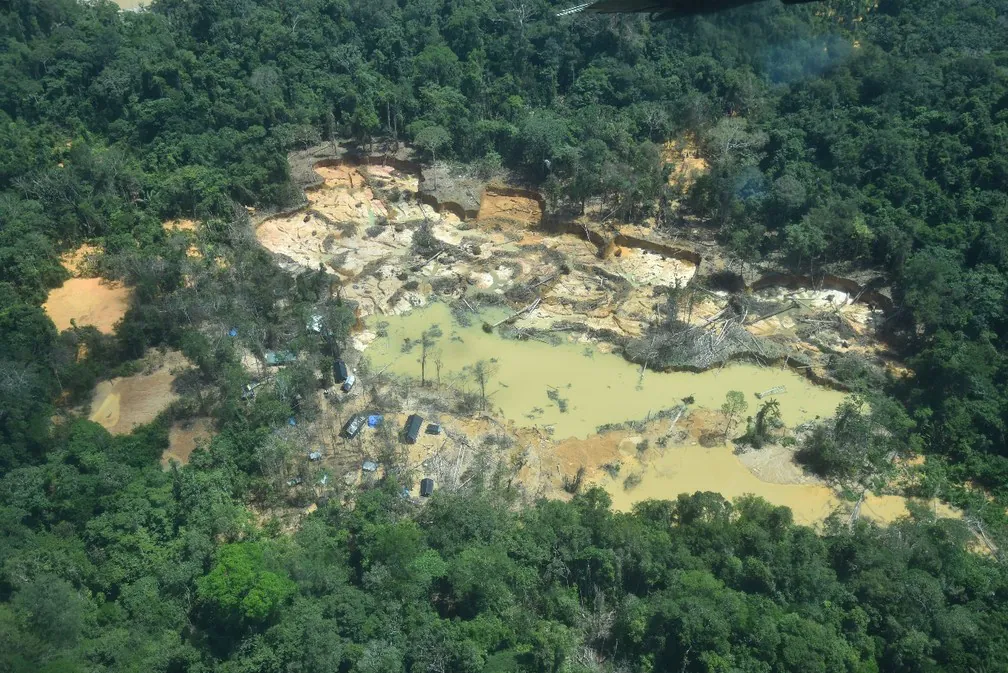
x,y
183,438
687,164
123,403
80,263
521,209
180,225
361,223
366,240
88,301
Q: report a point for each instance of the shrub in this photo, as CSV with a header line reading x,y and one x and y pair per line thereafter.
x,y
613,468
632,481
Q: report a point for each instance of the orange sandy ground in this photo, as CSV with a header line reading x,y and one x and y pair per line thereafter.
x,y
183,438
88,301
122,404
517,208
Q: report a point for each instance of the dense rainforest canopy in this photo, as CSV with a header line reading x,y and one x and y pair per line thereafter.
x,y
862,136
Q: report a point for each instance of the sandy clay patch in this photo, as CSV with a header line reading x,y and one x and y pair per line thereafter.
x,y
80,263
306,242
517,208
386,177
123,403
179,225
88,301
341,175
345,196
649,268
687,164
183,438
776,465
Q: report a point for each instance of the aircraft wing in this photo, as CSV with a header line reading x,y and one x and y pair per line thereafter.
x,y
617,7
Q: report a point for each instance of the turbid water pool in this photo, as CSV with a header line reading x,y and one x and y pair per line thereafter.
x,y
533,379
599,388
692,468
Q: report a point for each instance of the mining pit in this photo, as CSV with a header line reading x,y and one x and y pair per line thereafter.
x,y
556,310
597,388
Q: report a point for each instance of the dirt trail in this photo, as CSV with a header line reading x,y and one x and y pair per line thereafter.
x,y
123,403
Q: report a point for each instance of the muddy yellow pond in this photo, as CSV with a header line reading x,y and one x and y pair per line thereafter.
x,y
692,468
598,388
534,381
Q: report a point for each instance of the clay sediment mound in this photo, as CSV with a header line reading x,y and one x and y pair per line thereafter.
x,y
869,292
452,190
511,203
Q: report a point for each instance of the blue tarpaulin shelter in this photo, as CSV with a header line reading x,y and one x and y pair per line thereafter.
x,y
232,332
374,420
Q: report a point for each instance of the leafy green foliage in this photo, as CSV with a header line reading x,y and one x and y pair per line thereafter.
x,y
880,145
761,429
239,583
735,404
859,445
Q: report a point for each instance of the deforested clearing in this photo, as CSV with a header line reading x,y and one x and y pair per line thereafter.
x,y
121,404
88,302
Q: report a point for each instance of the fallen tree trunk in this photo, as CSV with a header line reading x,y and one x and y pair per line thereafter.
x,y
487,327
793,305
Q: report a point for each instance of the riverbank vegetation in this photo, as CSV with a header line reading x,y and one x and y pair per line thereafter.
x,y
857,144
